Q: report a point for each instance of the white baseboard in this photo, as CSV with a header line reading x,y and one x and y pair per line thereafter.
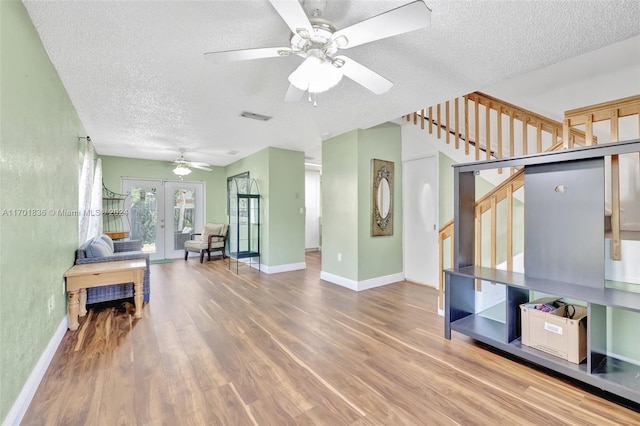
x,y
282,268
361,285
21,404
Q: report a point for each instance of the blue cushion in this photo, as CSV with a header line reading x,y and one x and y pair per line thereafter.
x,y
97,247
107,239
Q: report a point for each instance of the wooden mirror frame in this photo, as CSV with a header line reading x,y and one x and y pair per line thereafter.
x,y
381,170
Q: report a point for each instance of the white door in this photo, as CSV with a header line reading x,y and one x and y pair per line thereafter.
x,y
312,209
420,195
156,208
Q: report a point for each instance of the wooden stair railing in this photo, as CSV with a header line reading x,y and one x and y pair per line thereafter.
x,y
489,116
608,111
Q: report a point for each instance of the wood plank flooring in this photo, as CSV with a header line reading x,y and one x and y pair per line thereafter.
x,y
216,348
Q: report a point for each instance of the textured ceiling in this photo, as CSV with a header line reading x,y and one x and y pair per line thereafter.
x,y
135,70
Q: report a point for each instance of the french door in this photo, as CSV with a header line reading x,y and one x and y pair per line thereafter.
x,y
163,214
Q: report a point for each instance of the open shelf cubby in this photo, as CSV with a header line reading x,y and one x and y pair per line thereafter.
x,y
564,256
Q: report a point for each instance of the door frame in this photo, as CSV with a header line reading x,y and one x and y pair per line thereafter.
x,y
165,211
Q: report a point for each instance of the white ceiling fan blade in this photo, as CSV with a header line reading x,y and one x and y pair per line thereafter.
x,y
293,15
199,163
200,166
364,76
246,54
293,94
404,19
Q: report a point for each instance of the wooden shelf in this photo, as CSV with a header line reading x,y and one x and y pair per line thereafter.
x,y
607,296
480,328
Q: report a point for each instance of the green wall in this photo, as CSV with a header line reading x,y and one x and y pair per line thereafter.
x,y
39,149
286,207
347,200
280,176
115,168
383,142
340,205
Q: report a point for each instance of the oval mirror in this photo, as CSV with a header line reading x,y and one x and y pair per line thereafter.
x,y
384,198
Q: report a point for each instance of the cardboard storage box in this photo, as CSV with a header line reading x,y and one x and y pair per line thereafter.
x,y
553,332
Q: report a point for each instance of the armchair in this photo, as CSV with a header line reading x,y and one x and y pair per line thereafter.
x,y
93,252
212,238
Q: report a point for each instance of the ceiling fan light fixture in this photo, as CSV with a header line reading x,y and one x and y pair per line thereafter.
x,y
303,33
341,41
315,75
181,170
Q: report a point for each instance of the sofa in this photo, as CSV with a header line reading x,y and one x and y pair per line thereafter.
x,y
103,249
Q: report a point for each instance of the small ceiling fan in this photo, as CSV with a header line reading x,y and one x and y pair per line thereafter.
x,y
318,42
183,166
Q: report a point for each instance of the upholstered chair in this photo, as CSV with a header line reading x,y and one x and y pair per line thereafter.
x,y
213,238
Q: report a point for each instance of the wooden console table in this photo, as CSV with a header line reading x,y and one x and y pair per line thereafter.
x,y
81,277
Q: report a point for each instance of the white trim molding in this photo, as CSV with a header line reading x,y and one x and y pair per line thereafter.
x,y
21,404
280,268
361,285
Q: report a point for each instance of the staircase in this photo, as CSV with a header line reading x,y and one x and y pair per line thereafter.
x,y
488,128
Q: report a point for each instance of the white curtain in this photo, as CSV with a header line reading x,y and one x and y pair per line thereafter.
x,y
95,217
84,204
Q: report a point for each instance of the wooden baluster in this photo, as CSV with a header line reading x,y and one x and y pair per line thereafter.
x,y
430,120
448,121
615,192
525,136
438,129
509,202
494,232
408,117
499,115
512,144
478,243
487,137
422,119
566,131
476,135
588,130
466,125
554,137
415,118
457,125
539,138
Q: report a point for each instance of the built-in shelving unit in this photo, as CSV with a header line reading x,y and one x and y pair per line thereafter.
x,y
563,256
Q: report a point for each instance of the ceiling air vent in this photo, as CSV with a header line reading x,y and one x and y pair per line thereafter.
x,y
246,114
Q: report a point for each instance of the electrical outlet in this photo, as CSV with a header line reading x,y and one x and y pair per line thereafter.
x,y
339,257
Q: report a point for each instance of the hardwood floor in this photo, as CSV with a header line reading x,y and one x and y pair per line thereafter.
x,y
214,347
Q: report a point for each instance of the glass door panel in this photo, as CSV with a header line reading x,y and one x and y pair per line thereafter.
x,y
185,211
146,219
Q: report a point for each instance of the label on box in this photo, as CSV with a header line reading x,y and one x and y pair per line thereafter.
x,y
552,328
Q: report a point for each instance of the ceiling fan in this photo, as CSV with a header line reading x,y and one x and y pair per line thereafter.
x,y
318,42
183,165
